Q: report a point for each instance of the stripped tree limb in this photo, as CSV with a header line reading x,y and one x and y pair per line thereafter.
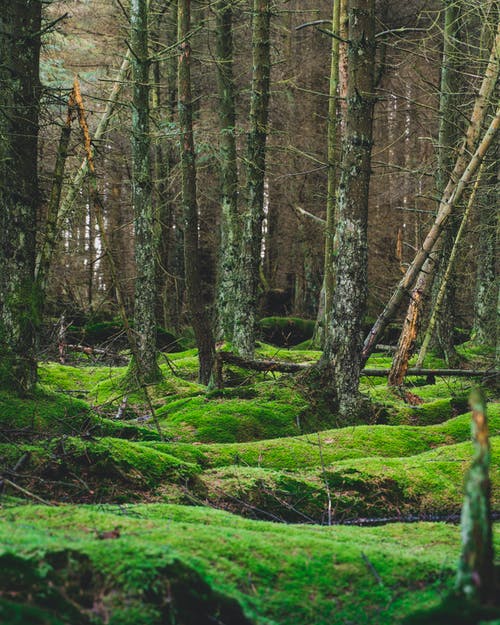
x,y
464,170
303,213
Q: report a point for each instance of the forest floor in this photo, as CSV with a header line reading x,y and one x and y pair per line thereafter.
x,y
247,512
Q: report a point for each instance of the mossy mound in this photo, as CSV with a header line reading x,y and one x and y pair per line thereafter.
x,y
455,610
238,570
110,469
423,485
286,331
329,446
259,411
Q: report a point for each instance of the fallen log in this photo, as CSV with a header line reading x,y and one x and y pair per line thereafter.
x,y
281,366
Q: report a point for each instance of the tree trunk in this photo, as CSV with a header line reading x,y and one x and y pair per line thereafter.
x,y
465,168
198,312
228,263
142,200
476,574
251,235
343,344
20,24
450,131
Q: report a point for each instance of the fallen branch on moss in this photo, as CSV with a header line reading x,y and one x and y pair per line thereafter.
x,y
281,366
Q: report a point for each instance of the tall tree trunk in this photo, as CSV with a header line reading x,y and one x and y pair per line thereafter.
x,y
251,235
342,353
450,131
326,296
228,263
465,167
198,312
19,196
142,201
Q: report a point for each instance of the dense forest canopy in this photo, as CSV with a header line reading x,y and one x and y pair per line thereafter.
x,y
249,261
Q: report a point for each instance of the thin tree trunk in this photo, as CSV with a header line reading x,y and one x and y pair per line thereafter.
x,y
251,235
198,312
426,275
342,354
142,191
465,168
476,574
19,193
228,264
326,295
448,140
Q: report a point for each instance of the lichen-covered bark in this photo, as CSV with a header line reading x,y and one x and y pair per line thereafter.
x,y
19,197
145,239
476,576
251,235
198,312
343,343
228,263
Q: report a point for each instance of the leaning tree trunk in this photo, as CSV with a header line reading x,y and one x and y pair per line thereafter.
x,y
228,262
476,573
450,131
19,107
145,356
251,235
342,354
198,312
465,167
409,332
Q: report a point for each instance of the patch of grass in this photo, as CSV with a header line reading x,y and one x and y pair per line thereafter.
x,y
278,574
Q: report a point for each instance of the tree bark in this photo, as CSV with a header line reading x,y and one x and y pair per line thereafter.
x,y
20,24
146,246
342,353
476,574
198,312
228,262
449,135
465,168
251,235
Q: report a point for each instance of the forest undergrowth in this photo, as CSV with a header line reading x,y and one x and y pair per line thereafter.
x,y
105,522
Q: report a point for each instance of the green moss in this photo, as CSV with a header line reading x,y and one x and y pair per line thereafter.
x,y
267,568
424,484
43,412
332,445
286,330
272,410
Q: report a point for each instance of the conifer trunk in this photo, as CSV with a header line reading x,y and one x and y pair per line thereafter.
x,y
228,263
198,312
251,235
142,199
19,196
343,344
